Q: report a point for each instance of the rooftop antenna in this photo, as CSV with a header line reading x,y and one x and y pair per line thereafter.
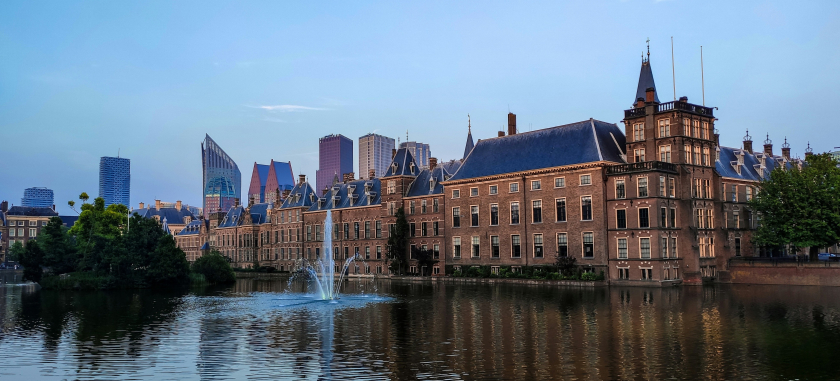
x,y
406,135
702,77
469,124
673,71
648,49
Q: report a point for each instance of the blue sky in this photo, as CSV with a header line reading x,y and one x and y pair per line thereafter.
x,y
80,80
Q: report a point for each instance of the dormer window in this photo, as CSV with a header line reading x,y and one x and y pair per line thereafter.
x,y
311,197
394,168
717,154
411,167
431,184
741,158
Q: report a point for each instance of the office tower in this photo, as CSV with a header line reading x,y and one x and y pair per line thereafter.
x,y
269,181
115,180
420,152
221,178
374,154
38,197
335,158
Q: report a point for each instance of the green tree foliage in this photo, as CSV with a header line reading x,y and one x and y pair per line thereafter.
x,y
425,258
215,268
398,243
31,260
16,251
800,207
59,251
168,263
96,228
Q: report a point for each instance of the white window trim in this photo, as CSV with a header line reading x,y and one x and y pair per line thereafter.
x,y
564,182
580,180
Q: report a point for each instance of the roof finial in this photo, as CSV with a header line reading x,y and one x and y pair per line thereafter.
x,y
469,124
748,137
785,144
406,135
809,149
768,141
648,51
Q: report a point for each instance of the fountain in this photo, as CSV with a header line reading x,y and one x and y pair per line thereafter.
x,y
324,278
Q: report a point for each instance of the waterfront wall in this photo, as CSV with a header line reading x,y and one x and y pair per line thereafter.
x,y
807,274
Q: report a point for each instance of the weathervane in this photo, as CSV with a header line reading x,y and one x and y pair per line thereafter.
x,y
469,124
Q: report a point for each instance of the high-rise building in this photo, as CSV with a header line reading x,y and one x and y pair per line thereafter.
x,y
269,181
420,152
38,197
221,178
335,158
115,180
374,154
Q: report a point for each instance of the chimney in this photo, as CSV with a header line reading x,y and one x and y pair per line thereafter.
x,y
432,163
4,206
393,153
786,150
511,123
236,202
371,174
649,94
301,179
501,134
684,99
142,205
748,142
768,146
178,204
349,176
157,204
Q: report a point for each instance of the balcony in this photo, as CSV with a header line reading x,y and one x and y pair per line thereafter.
x,y
671,106
634,112
644,166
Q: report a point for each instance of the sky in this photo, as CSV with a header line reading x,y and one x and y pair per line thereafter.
x,y
266,79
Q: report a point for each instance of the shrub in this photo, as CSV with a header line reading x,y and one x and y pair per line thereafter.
x,y
215,268
588,276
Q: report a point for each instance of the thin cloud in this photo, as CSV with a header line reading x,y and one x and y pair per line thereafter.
x,y
288,108
275,120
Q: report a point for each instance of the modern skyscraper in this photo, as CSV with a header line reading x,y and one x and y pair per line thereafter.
x,y
335,158
37,197
374,154
221,177
115,180
420,152
269,181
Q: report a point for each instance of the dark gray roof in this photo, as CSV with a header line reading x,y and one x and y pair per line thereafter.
x,y
582,142
233,217
646,81
353,194
302,195
469,146
172,215
428,182
403,164
749,170
192,228
259,213
31,211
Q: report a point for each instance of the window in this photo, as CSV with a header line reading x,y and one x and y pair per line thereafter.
x,y
706,156
706,130
515,247
671,186
737,247
412,227
535,185
378,229
33,223
588,245
309,233
456,217
647,274
411,207
538,245
687,150
707,189
621,219
560,206
696,125
662,186
643,186
367,252
562,245
514,213
696,155
435,205
424,229
734,192
346,231
644,220
456,247
622,248
392,186
367,229
435,252
674,250
673,217
663,247
11,233
392,208
619,189
644,247
537,211
475,247
585,179
638,132
559,182
379,252
423,206
474,215
355,230
473,192
586,208
494,214
749,193
494,246
663,217
435,228
33,233
514,187
624,273
639,155
456,193
664,128
494,189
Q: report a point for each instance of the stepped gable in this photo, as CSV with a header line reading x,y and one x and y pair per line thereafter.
x,y
577,143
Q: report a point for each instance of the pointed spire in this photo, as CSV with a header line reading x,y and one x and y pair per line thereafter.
x,y
646,79
469,146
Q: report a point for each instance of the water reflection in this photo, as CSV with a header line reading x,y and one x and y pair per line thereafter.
x,y
428,331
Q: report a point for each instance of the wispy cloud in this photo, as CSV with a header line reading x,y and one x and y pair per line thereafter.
x,y
288,108
275,120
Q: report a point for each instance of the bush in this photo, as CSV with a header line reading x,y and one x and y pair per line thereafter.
x,y
214,268
588,276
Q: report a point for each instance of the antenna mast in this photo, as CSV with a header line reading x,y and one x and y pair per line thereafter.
x,y
673,71
702,76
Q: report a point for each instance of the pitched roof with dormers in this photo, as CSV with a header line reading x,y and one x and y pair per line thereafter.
x,y
233,218
754,166
302,195
403,164
32,211
428,182
577,143
193,228
353,194
172,215
259,213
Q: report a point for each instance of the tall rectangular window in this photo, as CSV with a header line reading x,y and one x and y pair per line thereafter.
x,y
644,218
664,128
367,229
309,232
663,249
411,207
643,186
687,151
706,156
644,247
562,245
696,125
367,252
538,245
515,247
456,217
673,217
435,205
423,229
737,247
665,153
379,252
662,186
514,213
475,246
686,127
474,215
619,189
423,206
412,227
494,246
696,155
622,248
456,247
435,231
560,205
586,208
537,211
588,245
674,248
671,187
355,230
494,214
638,132
378,229
346,231
663,217
435,251
621,219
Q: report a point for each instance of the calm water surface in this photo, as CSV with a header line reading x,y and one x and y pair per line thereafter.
x,y
251,330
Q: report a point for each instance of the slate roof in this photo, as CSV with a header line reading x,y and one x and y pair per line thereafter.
x,y
172,215
192,228
402,164
259,213
582,142
69,220
645,81
725,166
353,194
423,184
2,219
469,146
233,217
31,211
302,195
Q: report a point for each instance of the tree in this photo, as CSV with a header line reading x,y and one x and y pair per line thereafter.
x,y
425,259
398,243
214,267
168,263
96,229
32,259
141,240
16,251
565,264
59,253
800,207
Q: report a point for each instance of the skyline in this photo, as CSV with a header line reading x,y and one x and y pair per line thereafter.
x,y
267,80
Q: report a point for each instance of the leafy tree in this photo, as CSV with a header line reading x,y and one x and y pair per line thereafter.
x,y
398,243
800,207
32,259
16,251
565,264
95,229
59,253
214,267
425,258
141,239
168,263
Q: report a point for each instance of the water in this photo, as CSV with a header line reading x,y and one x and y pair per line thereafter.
x,y
258,329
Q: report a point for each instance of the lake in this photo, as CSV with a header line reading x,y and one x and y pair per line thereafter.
x,y
260,329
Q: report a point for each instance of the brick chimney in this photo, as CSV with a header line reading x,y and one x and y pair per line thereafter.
x,y
649,94
301,179
786,149
349,176
371,174
768,146
142,205
511,123
501,134
4,206
178,204
748,142
157,204
684,99
393,153
432,163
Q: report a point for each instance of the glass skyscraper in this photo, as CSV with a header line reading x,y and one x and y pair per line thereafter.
x,y
221,177
374,154
115,180
38,198
335,158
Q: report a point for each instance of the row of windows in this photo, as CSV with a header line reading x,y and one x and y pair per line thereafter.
x,y
23,223
559,182
647,273
732,192
667,248
424,229
587,246
691,128
33,232
692,155
560,214
665,216
666,187
423,206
